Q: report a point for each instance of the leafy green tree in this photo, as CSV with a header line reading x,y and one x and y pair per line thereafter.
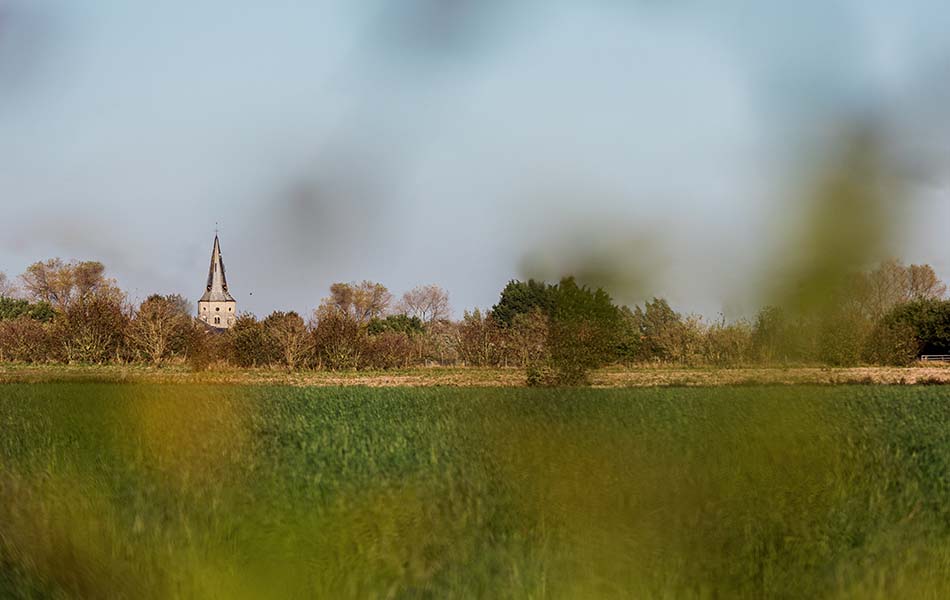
x,y
401,323
561,331
583,333
659,328
13,308
929,320
629,338
41,311
521,297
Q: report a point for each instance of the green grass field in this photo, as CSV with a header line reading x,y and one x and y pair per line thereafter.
x,y
176,491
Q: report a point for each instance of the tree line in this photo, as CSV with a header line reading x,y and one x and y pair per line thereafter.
x,y
71,312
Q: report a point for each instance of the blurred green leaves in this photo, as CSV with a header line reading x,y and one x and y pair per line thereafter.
x,y
848,216
179,491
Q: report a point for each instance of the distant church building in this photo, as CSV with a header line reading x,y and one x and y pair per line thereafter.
x,y
217,308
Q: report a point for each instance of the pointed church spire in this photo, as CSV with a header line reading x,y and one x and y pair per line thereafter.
x,y
216,289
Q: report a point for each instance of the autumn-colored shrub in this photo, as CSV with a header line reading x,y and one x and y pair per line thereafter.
x,y
338,341
387,350
92,330
25,340
248,344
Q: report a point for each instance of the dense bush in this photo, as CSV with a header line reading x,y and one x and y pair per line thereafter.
x,y
842,338
728,344
892,343
930,320
288,339
206,347
339,341
658,327
583,332
387,350
248,344
25,340
769,335
920,327
479,339
92,330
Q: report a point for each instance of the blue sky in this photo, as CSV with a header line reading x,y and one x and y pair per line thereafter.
x,y
449,141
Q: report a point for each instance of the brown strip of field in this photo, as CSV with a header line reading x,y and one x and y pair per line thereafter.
x,y
614,377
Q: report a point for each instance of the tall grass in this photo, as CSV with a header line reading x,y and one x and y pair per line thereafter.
x,y
151,491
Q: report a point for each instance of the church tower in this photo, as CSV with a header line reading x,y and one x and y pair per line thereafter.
x,y
217,308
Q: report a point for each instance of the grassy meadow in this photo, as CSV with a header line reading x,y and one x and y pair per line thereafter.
x,y
191,491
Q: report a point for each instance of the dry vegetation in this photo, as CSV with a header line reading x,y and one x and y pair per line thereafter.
x,y
612,377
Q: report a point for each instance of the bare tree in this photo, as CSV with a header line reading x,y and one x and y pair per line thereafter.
x,y
7,288
923,283
891,283
291,337
439,342
160,327
428,302
885,287
61,284
360,301
479,339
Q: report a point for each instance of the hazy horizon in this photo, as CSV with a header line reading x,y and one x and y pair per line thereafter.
x,y
459,143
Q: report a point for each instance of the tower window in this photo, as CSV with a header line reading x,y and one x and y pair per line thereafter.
x,y
217,320
217,309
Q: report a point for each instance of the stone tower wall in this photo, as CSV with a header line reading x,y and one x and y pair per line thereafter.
x,y
226,311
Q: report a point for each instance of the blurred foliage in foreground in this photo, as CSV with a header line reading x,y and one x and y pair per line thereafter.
x,y
230,492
